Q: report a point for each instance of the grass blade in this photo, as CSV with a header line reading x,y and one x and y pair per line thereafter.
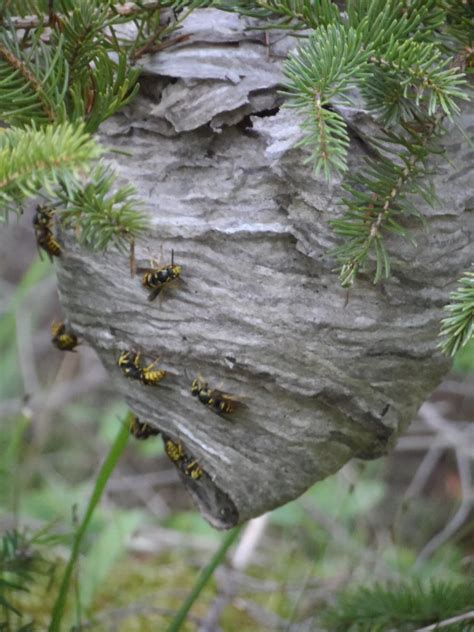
x,y
106,470
204,576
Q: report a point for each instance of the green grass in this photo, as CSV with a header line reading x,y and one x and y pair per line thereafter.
x,y
464,359
103,476
325,535
403,606
203,579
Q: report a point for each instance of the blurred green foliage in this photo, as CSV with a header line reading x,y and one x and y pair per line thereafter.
x,y
405,606
328,544
464,359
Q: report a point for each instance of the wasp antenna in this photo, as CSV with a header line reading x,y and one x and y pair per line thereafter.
x,y
154,293
150,366
188,376
133,261
172,256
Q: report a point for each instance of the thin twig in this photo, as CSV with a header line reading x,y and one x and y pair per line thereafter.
x,y
125,10
242,556
424,471
464,468
451,431
148,480
463,389
203,578
36,84
424,443
155,505
138,609
248,584
158,540
344,541
249,541
26,358
269,619
11,406
446,622
418,482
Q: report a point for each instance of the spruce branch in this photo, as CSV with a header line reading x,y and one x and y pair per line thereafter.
x,y
286,14
33,159
33,83
458,36
318,73
424,80
31,14
379,202
100,79
383,22
391,51
21,565
457,327
409,84
105,90
399,606
82,31
399,75
102,213
154,27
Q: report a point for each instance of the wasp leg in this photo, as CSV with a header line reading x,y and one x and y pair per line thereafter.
x,y
154,293
150,366
133,261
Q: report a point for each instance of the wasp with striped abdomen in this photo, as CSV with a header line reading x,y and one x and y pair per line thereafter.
x,y
46,240
151,375
131,365
185,463
155,279
218,401
43,226
141,430
173,450
192,468
62,337
43,217
129,362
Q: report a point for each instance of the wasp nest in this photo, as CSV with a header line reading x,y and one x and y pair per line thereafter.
x,y
320,375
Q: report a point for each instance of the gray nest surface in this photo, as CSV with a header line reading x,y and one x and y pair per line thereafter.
x,y
323,375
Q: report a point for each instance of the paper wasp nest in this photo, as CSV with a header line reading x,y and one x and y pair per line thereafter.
x,y
323,375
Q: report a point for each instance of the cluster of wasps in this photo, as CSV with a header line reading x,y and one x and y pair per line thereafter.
x,y
43,221
141,430
154,279
62,337
186,464
174,450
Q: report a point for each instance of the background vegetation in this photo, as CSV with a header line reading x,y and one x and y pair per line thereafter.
x,y
404,518
386,545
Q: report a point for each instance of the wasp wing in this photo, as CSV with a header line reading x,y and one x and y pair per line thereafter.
x,y
154,293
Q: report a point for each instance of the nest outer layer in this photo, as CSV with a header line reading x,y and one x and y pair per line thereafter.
x,y
323,375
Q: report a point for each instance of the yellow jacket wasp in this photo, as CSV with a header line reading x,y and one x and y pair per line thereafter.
x,y
62,337
131,365
218,401
155,279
